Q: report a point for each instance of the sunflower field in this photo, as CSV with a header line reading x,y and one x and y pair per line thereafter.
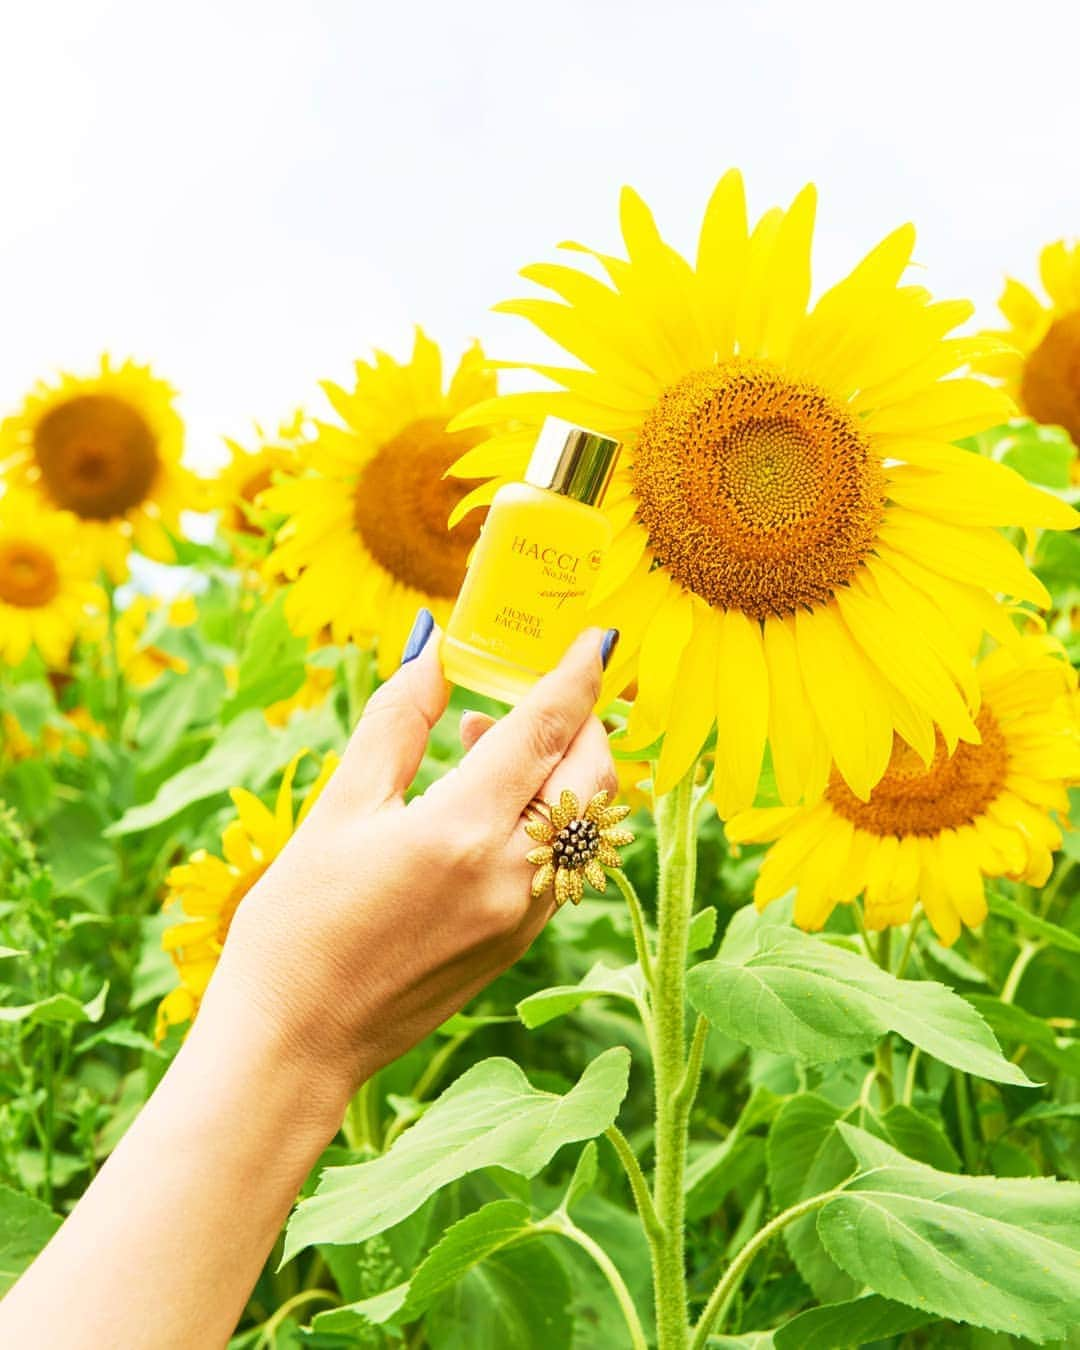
x,y
804,1072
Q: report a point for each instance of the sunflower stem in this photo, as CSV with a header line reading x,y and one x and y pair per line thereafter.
x,y
909,945
561,1223
721,1296
115,677
637,921
677,846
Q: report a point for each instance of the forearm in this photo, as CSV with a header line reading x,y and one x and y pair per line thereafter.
x,y
166,1244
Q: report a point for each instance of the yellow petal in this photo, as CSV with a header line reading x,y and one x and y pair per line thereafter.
x,y
846,698
692,703
742,711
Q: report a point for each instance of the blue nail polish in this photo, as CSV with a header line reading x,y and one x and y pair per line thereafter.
x,y
421,631
607,646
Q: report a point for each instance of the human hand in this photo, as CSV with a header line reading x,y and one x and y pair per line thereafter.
x,y
380,919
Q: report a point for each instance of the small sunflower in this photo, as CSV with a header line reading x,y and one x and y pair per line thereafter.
x,y
138,626
1041,367
366,541
105,447
209,889
237,491
47,587
576,845
318,681
801,555
71,735
933,833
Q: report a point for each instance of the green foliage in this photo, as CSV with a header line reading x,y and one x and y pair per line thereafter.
x,y
794,994
490,1117
998,1254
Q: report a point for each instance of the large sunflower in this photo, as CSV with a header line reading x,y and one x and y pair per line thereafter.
x,y
366,538
47,589
209,889
107,448
1041,366
801,555
932,834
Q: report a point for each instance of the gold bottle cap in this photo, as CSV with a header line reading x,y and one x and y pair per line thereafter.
x,y
572,460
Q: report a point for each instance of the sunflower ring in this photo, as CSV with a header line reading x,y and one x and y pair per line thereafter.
x,y
574,845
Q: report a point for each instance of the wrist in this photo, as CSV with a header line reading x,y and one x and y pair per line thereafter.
x,y
246,1029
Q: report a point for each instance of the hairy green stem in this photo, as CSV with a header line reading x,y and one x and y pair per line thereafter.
x,y
677,845
637,922
268,1333
560,1222
638,1185
964,1119
1024,957
905,955
721,1296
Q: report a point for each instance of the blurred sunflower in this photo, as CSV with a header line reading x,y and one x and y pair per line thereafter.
x,y
1041,367
238,489
209,889
16,745
138,628
105,447
318,681
47,586
933,834
366,540
800,554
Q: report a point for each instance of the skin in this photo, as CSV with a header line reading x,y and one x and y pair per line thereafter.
x,y
377,922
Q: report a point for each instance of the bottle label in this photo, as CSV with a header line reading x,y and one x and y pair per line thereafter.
x,y
527,589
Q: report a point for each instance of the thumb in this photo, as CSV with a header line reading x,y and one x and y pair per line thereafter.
x,y
388,745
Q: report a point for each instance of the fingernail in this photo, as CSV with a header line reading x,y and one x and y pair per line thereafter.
x,y
421,631
608,645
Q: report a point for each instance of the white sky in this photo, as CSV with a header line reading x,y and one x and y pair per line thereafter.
x,y
251,194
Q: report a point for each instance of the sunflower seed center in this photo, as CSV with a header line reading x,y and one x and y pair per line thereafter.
x,y
758,492
914,799
403,502
97,456
29,577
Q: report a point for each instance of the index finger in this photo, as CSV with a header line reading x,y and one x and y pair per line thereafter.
x,y
510,764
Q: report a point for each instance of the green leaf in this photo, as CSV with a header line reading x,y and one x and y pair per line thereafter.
x,y
491,1116
615,982
1042,454
1031,923
234,759
11,951
461,1247
246,754
52,1011
702,929
26,1225
802,996
716,1170
855,1322
806,1156
919,1137
96,1006
1016,1026
83,864
998,1254
1046,1111
584,1176
518,1299
272,663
